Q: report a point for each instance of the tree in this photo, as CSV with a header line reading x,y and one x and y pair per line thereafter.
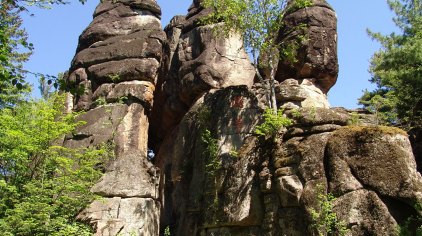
x,y
15,48
258,22
397,67
43,186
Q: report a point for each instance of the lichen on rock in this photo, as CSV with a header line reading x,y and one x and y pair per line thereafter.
x,y
189,96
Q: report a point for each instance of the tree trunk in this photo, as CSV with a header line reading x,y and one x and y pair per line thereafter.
x,y
273,101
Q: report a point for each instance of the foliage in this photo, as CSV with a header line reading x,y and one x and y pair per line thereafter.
x,y
354,119
43,186
413,224
213,163
167,231
296,114
300,4
382,105
272,123
258,22
15,49
397,67
324,219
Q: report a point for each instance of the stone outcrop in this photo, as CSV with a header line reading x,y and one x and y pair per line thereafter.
x,y
197,61
313,30
267,187
113,77
189,95
118,54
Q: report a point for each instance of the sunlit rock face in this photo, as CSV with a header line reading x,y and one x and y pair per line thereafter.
x,y
314,31
113,77
190,95
118,54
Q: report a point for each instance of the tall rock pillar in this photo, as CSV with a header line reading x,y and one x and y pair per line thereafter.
x,y
312,32
112,77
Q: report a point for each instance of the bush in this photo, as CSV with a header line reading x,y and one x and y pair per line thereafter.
x,y
272,123
43,186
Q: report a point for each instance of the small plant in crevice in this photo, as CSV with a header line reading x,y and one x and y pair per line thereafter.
x,y
313,113
211,151
100,101
114,77
234,153
272,123
296,114
212,166
354,119
299,4
167,231
324,220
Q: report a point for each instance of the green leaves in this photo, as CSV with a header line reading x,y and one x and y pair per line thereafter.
x,y
43,186
257,21
272,123
325,221
397,67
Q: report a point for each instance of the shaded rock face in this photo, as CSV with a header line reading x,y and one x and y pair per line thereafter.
x,y
195,195
415,136
190,95
267,187
317,52
197,61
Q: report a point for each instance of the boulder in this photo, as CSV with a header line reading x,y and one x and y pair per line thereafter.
x,y
380,158
305,94
365,214
131,175
316,55
114,18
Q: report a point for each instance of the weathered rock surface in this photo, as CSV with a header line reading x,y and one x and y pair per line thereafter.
x,y
317,53
365,212
305,94
222,195
190,95
123,43
379,158
197,61
123,216
113,77
132,175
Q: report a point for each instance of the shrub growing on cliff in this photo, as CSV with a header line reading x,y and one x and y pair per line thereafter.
x,y
43,186
325,221
272,123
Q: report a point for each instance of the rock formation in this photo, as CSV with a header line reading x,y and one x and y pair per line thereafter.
x,y
196,62
113,77
190,95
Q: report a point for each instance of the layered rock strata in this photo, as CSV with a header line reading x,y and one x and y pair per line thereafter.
x,y
113,77
312,31
190,95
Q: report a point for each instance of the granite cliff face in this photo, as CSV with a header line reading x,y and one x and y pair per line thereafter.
x,y
191,98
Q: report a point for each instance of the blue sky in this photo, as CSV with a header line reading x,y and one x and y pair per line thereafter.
x,y
55,33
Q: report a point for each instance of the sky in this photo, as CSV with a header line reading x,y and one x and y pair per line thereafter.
x,y
55,33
